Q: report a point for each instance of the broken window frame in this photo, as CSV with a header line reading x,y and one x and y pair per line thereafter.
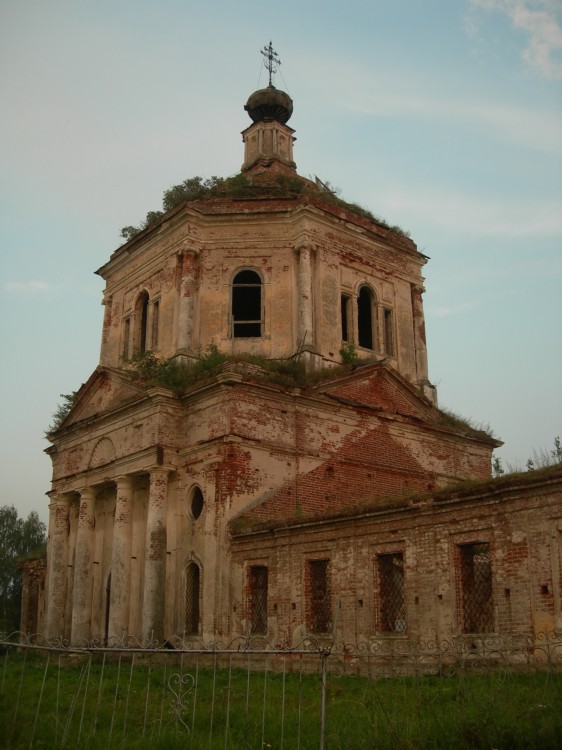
x,y
246,327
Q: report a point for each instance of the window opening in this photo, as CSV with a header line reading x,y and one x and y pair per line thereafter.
x,y
392,606
247,305
344,300
320,610
258,598
476,588
142,318
388,332
192,585
155,324
365,313
126,338
197,503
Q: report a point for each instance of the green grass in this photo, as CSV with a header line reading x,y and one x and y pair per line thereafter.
x,y
73,702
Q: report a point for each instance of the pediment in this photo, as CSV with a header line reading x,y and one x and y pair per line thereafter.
x,y
105,390
380,387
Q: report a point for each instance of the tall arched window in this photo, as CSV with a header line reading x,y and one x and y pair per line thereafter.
x,y
366,318
141,323
247,311
192,586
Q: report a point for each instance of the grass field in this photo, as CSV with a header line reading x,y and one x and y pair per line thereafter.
x,y
85,702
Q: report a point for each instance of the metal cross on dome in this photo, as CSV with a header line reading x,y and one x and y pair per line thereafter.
x,y
271,60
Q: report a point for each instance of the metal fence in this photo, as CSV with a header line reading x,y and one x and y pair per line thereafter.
x,y
246,693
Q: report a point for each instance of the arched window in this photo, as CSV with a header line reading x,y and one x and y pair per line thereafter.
x,y
247,311
192,586
141,322
366,318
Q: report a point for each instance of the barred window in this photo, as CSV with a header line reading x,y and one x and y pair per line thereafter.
x,y
258,575
392,606
319,607
476,588
192,585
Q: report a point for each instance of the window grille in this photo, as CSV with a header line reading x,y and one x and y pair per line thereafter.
x,y
258,598
320,609
192,579
247,305
392,606
476,588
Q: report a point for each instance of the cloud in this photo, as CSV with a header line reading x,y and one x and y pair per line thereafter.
x,y
541,21
29,287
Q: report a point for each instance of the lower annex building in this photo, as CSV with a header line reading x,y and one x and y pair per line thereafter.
x,y
282,492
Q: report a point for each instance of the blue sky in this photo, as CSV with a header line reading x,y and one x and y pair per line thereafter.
x,y
443,117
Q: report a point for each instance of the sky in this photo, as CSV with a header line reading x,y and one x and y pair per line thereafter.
x,y
441,116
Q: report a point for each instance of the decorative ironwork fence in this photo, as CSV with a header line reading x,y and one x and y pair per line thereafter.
x,y
246,693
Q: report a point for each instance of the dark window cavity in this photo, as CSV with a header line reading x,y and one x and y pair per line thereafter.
x,y
345,331
366,318
247,318
196,503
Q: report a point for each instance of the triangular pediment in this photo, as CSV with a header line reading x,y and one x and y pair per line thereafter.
x,y
380,387
105,390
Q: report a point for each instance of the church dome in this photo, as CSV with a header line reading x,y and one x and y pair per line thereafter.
x,y
269,104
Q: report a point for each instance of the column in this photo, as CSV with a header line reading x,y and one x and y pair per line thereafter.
x,y
155,557
82,592
121,560
419,333
305,296
186,308
57,560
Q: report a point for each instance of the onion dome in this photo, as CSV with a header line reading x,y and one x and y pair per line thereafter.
x,y
269,104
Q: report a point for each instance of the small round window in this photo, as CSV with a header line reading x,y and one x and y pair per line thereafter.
x,y
196,503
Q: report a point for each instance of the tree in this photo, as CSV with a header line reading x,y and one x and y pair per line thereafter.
x,y
18,537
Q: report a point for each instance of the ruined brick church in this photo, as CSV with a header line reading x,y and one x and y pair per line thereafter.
x,y
337,505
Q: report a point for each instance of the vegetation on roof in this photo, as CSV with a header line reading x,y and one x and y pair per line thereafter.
x,y
240,186
180,376
62,411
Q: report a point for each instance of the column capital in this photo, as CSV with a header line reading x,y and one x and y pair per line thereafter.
x,y
124,482
86,493
60,500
